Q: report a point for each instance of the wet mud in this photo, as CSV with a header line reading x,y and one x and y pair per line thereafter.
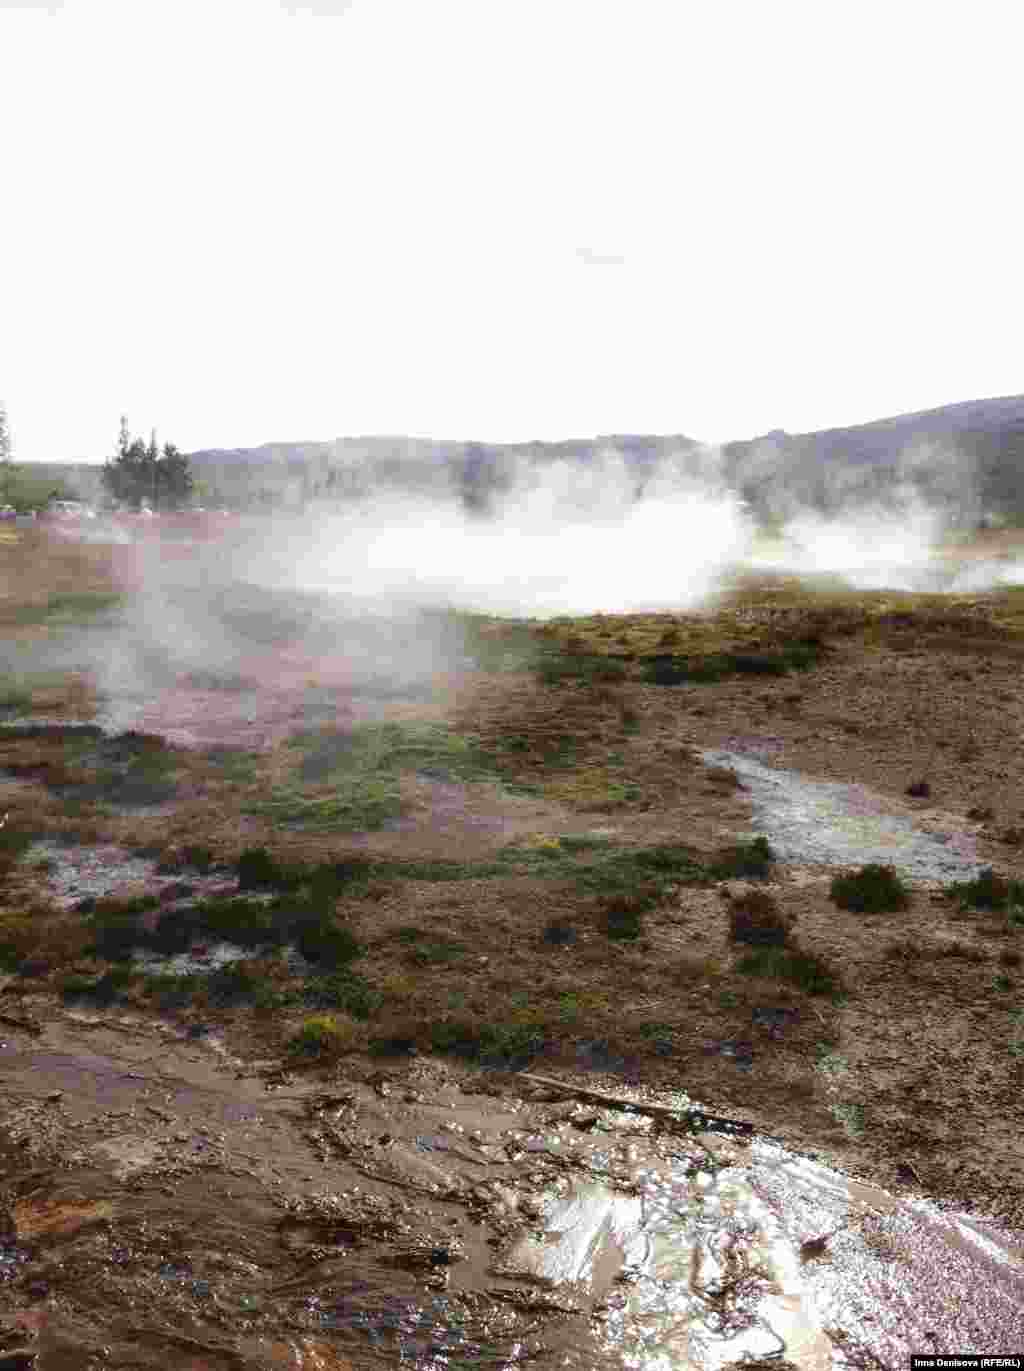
x,y
165,1201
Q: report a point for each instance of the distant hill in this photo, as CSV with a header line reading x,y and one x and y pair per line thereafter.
x,y
969,456
970,453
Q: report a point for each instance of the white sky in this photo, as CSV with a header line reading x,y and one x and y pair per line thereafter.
x,y
502,219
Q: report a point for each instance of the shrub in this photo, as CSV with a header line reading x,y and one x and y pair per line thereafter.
x,y
559,933
987,891
462,1039
169,991
874,889
232,983
322,940
758,664
257,870
198,857
510,1043
665,671
323,1035
623,921
345,990
755,918
103,989
116,935
750,861
437,952
808,973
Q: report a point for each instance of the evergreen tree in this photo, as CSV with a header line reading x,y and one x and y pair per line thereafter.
x,y
6,452
140,474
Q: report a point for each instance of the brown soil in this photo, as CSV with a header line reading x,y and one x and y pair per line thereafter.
x,y
920,1048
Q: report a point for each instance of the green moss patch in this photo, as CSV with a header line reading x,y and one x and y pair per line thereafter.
x,y
351,781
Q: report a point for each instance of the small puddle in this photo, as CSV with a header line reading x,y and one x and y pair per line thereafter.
x,y
836,824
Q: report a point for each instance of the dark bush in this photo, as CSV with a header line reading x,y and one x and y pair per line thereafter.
x,y
757,664
665,671
117,935
232,983
987,891
321,940
197,857
174,933
745,861
623,918
874,889
257,870
344,990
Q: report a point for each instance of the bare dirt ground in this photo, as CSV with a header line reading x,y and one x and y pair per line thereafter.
x,y
166,1203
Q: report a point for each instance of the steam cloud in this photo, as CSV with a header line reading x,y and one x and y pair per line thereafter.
x,y
569,539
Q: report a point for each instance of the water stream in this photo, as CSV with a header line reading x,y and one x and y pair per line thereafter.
x,y
839,824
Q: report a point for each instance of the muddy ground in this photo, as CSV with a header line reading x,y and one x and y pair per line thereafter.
x,y
182,1188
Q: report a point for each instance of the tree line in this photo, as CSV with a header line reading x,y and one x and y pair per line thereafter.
x,y
139,475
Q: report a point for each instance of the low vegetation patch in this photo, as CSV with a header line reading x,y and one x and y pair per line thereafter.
x,y
667,669
102,989
437,951
62,609
15,840
808,973
323,1036
988,891
345,990
351,781
744,861
562,668
509,1044
169,991
873,889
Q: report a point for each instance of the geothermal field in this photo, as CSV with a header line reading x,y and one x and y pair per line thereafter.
x,y
583,935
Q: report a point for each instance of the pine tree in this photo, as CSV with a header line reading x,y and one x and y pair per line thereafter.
x,y
141,474
6,462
